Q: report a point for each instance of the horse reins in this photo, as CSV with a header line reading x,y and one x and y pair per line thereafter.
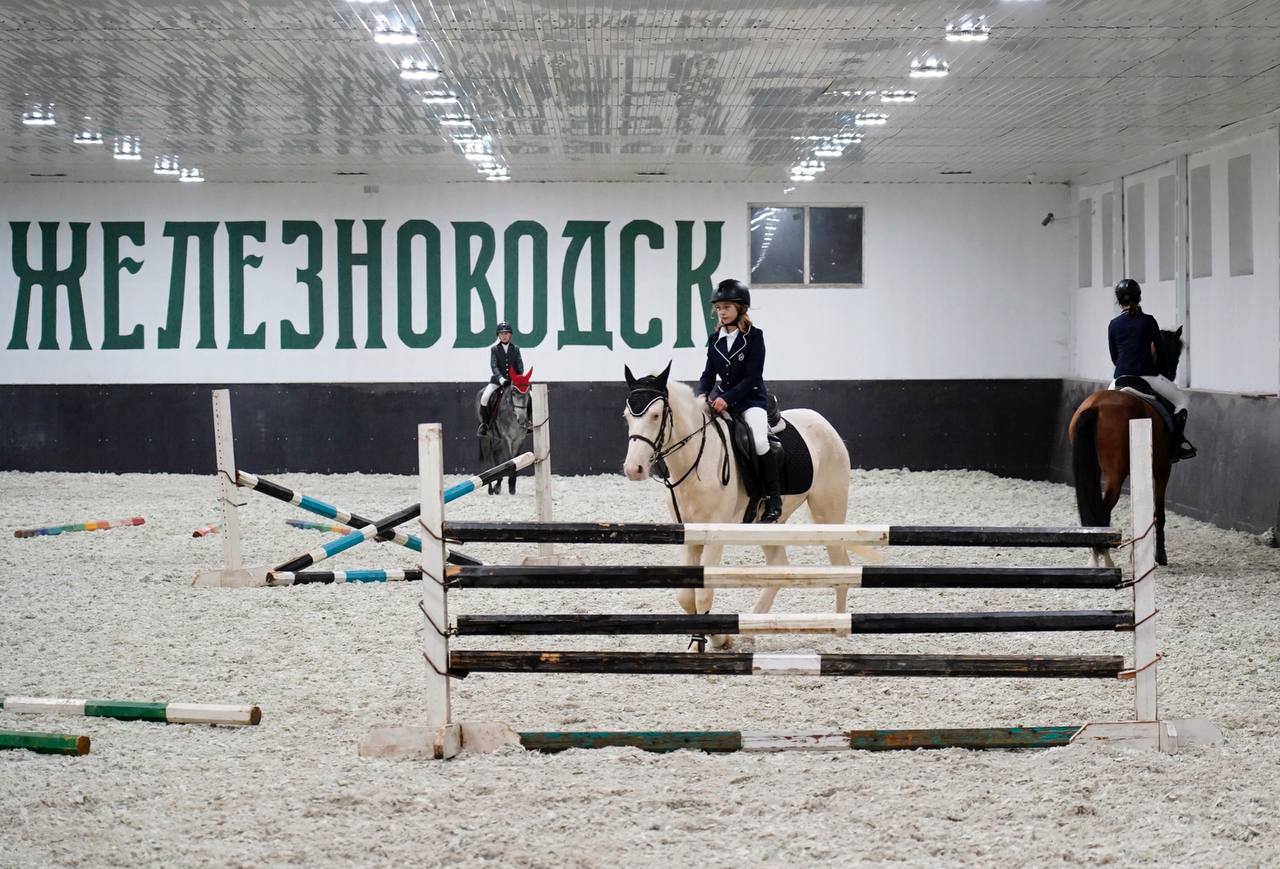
x,y
660,452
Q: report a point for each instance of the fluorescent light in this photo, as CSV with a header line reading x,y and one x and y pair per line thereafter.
x,y
456,121
193,176
396,34
166,166
417,70
479,157
870,119
85,137
968,30
498,178
127,148
930,67
898,97
828,152
802,177
40,116
439,98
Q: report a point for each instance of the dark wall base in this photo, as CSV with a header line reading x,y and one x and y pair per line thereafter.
x,y
1003,426
1234,482
1014,428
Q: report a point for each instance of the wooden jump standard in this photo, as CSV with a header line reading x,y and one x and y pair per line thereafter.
x,y
442,737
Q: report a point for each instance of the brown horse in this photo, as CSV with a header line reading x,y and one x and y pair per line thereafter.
x,y
1099,433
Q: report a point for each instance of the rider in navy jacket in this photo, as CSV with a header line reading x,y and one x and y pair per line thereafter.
x,y
735,357
1136,348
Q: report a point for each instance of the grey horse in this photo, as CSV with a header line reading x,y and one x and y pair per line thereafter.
x,y
507,430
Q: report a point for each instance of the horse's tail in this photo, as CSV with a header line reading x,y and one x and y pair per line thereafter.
x,y
1088,473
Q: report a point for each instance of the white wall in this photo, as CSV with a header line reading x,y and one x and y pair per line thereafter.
x,y
961,281
1234,330
1232,322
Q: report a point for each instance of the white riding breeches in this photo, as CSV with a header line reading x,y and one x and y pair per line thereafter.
x,y
487,394
757,419
1166,389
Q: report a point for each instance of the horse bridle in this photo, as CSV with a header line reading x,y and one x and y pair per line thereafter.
x,y
660,452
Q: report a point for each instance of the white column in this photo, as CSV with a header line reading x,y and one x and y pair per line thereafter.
x,y
1142,495
435,642
542,460
1182,264
229,495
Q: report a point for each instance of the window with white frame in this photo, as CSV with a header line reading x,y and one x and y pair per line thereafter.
x,y
806,245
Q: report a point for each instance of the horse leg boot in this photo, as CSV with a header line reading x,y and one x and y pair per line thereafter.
x,y
772,490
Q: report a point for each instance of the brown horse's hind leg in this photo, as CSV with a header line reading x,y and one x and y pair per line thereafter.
x,y
1161,482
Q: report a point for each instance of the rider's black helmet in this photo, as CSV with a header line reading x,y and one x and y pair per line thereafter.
x,y
732,290
504,326
1128,292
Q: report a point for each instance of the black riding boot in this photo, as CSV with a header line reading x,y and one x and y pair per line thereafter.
x,y
1182,447
772,491
486,415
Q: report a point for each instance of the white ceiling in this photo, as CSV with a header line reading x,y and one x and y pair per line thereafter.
x,y
297,90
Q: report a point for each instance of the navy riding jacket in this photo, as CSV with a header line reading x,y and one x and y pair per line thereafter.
x,y
1131,337
501,360
740,370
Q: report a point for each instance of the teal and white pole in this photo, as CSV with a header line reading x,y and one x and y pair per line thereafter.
x,y
360,535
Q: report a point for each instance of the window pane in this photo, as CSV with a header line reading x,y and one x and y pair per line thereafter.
x,y
835,245
1135,198
1201,223
1084,265
1240,214
777,245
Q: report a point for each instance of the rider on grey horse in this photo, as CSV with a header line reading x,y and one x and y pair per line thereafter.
x,y
1134,338
504,357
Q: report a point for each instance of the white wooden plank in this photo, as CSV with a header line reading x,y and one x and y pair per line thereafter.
x,y
795,741
208,713
786,664
542,460
785,535
435,643
803,623
44,705
229,495
1142,496
781,576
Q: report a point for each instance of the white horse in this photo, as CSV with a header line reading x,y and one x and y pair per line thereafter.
x,y
666,420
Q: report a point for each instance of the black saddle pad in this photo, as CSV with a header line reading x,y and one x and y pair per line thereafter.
x,y
1139,384
796,474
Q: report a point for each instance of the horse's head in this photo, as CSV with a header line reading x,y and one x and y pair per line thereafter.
x,y
647,414
519,392
1171,352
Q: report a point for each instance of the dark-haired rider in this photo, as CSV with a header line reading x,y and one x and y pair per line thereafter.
x,y
1134,339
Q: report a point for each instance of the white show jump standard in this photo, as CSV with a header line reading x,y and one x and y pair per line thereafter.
x,y
132,710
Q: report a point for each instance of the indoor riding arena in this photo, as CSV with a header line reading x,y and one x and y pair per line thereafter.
x,y
586,434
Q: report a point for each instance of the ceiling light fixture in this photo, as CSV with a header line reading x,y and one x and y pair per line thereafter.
x,y
39,116
968,30
85,137
898,96
929,67
127,148
439,98
191,176
394,34
418,70
166,166
870,119
456,121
